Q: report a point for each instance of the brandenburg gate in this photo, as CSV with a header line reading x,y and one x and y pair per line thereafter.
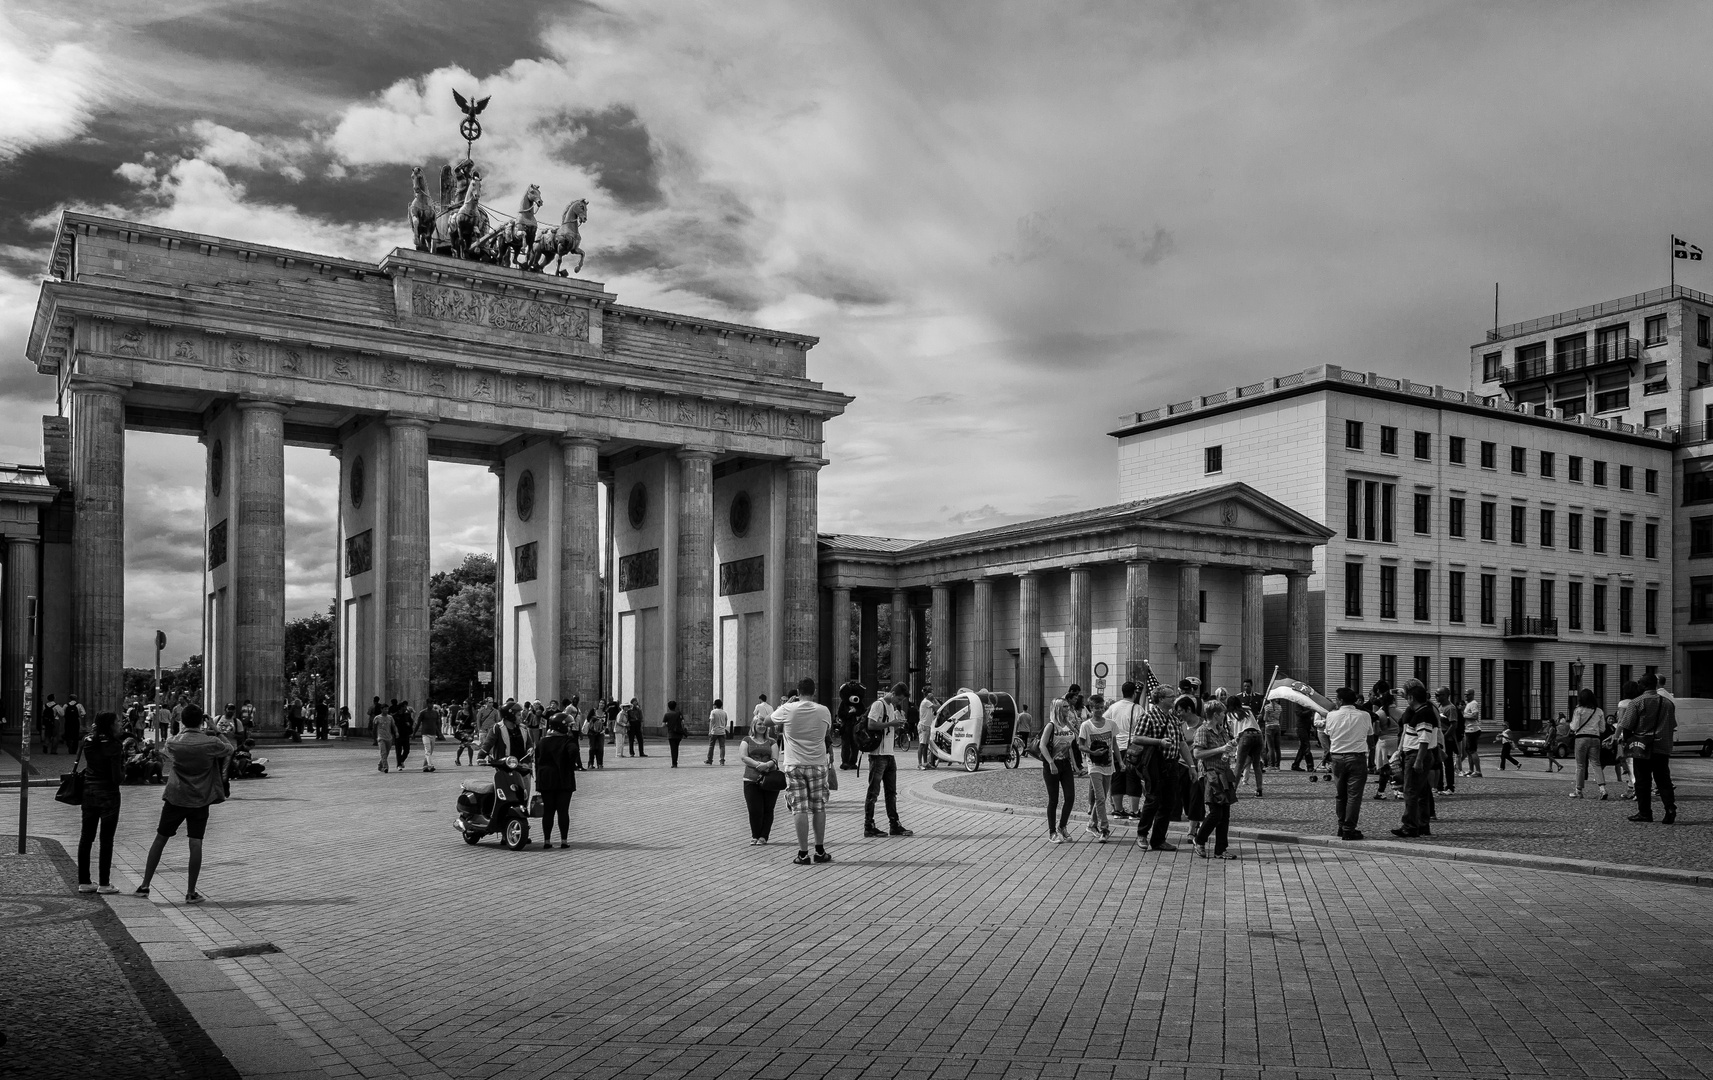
x,y
706,437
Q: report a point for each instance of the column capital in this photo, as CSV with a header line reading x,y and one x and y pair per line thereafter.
x,y
86,383
804,463
20,540
247,404
398,420
1139,561
1021,575
694,453
573,439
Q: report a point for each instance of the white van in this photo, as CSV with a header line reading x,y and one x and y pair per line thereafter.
x,y
1694,726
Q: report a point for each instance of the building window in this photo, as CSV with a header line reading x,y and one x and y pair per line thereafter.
x,y
1573,604
1489,455
1353,434
1549,598
1454,678
1625,625
1488,691
1389,668
1489,587
1600,685
1423,666
1519,601
1650,540
1519,460
1626,537
1547,704
1701,599
1388,592
1201,606
1388,440
1703,374
1650,481
1423,583
1599,474
1519,524
1626,477
1573,532
1215,459
1700,537
1703,331
1626,673
1599,535
1454,596
1575,470
1489,517
1570,352
1546,528
1612,392
1653,330
1424,446
1491,368
1599,604
1650,611
1531,360
1423,504
1369,510
1546,463
1353,671
1353,509
1353,590
1386,511
1697,486
1454,517
1454,449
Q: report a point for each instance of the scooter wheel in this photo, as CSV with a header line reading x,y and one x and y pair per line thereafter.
x,y
515,835
472,838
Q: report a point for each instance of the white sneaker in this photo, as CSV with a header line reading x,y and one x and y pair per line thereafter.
x,y
1055,838
1576,795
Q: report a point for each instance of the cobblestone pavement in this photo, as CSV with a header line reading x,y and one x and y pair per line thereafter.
x,y
661,944
1532,814
81,997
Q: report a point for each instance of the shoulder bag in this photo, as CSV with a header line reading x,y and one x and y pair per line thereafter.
x,y
71,783
773,779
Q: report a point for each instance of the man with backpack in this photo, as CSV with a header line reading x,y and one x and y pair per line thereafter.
x,y
877,737
47,725
71,725
1650,724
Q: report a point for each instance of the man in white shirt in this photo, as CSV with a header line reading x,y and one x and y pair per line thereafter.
x,y
1346,729
718,724
1471,734
806,730
1124,714
887,716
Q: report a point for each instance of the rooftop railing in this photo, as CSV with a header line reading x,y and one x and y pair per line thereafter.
x,y
1596,311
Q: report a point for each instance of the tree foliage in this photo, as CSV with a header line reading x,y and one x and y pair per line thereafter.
x,y
311,655
461,641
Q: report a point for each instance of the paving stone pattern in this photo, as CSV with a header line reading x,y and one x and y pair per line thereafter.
x,y
661,944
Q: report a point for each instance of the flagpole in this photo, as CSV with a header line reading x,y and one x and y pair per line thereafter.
x,y
1672,258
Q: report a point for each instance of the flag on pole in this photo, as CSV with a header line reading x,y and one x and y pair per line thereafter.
x,y
1300,693
1683,249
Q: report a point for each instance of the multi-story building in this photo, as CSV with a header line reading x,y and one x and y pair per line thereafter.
x,y
1479,543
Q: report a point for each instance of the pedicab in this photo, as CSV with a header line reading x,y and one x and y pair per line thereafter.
x,y
973,726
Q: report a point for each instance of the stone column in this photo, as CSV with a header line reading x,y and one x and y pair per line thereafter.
x,y
23,574
900,647
258,561
98,545
1254,630
407,560
841,643
802,585
1297,626
1135,618
1189,620
1079,658
695,592
918,651
580,572
944,657
981,634
502,559
868,654
1029,643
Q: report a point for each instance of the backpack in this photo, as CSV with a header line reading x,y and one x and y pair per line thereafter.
x,y
868,739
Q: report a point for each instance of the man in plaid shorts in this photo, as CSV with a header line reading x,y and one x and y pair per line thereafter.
x,y
806,728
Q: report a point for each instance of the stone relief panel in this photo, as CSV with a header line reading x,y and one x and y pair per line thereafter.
x,y
500,312
217,545
639,571
743,576
523,562
360,553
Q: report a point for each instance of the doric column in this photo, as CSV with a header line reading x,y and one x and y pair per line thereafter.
x,y
918,651
802,587
841,643
1029,642
1189,620
1254,629
407,560
98,545
943,659
1297,626
981,634
695,611
580,572
502,559
869,642
258,561
1079,634
899,660
1135,618
23,571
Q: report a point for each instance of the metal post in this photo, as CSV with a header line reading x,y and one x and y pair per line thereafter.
x,y
24,731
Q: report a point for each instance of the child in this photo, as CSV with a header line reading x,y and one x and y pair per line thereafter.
x,y
465,733
1508,749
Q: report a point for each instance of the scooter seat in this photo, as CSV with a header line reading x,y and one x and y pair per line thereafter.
x,y
479,787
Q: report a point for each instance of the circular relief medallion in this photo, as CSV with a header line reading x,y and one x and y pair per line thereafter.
x,y
740,514
636,507
525,495
216,466
359,480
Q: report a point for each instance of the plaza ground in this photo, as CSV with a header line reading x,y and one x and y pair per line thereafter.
x,y
662,944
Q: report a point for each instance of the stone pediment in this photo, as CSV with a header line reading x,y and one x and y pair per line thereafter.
x,y
1235,506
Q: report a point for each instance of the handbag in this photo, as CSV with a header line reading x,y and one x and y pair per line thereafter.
x,y
832,779
71,784
772,780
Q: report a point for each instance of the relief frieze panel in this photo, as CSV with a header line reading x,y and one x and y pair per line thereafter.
x,y
515,314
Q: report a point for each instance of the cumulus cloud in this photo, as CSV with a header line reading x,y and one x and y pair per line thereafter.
x,y
49,87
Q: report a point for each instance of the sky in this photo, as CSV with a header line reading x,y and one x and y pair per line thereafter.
x,y
1008,222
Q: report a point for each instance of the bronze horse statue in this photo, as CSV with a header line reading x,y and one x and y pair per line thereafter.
x,y
560,240
468,221
421,213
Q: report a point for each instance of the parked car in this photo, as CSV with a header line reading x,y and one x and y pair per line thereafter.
x,y
1694,726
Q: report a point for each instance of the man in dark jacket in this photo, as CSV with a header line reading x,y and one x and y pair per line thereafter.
x,y
428,727
556,779
402,728
1651,723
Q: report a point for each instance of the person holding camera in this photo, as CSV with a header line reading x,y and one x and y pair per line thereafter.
x,y
1098,737
887,716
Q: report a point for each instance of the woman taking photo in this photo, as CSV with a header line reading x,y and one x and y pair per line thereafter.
x,y
103,768
758,756
1212,746
1057,737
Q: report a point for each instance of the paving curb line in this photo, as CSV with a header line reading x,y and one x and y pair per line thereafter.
x,y
1484,856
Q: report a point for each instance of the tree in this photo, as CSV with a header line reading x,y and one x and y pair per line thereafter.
x,y
311,654
461,638
476,569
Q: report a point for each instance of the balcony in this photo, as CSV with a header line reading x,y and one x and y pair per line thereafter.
x,y
1625,351
1531,628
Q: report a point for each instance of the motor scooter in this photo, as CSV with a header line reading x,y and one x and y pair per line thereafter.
x,y
500,805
